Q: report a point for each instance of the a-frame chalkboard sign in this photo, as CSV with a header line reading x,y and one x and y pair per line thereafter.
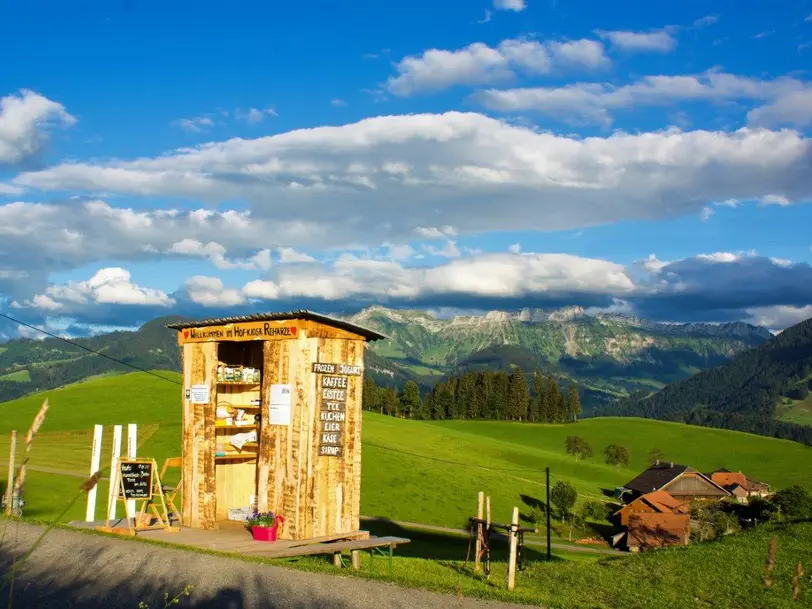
x,y
138,479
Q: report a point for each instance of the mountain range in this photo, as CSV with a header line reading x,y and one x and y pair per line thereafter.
x,y
725,375
609,355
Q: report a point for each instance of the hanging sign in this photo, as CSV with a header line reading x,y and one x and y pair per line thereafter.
x,y
250,330
200,394
333,385
279,407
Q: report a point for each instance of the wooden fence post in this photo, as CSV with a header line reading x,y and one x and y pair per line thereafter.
x,y
488,511
514,540
12,455
478,546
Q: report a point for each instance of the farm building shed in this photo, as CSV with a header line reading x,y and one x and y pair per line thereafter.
x,y
272,419
658,502
680,481
651,531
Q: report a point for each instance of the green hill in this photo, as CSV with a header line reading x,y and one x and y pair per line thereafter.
x,y
418,471
760,390
608,356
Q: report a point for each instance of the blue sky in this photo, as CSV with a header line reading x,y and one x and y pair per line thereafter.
x,y
189,158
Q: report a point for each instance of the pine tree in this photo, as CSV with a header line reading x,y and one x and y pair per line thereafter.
x,y
483,393
443,401
370,397
389,401
477,399
519,396
545,403
427,409
554,398
574,402
499,395
410,402
462,398
535,402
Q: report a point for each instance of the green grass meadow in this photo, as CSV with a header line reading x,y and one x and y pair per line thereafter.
x,y
431,471
418,471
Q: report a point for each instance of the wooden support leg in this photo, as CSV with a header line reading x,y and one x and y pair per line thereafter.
x,y
356,560
478,543
337,559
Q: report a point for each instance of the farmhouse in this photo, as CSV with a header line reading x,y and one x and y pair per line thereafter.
x,y
653,530
657,502
739,485
683,483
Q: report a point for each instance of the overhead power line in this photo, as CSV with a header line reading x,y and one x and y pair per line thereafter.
x,y
88,349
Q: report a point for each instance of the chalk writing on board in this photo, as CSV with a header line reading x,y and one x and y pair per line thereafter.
x,y
136,479
343,369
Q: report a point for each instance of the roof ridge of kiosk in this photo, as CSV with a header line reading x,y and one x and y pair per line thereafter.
x,y
367,333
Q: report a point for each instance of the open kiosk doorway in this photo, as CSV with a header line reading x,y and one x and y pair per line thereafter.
x,y
237,425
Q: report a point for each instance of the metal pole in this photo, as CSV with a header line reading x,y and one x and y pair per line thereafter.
x,y
549,546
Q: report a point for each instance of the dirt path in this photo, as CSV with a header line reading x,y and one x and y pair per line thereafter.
x,y
81,571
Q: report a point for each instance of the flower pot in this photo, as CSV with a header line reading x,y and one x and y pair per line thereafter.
x,y
264,533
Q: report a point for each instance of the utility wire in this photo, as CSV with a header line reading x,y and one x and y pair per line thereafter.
x,y
70,342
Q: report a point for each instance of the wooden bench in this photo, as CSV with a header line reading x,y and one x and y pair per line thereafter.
x,y
355,547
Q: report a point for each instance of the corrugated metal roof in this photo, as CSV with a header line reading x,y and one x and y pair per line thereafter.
x,y
368,334
656,477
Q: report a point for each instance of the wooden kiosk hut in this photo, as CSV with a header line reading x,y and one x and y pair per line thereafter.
x,y
272,417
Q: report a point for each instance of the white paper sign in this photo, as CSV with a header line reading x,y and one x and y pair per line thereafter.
x,y
200,394
279,408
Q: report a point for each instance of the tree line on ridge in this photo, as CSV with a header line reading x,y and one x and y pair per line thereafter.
x,y
488,395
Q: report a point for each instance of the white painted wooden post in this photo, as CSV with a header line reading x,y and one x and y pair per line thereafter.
x,y
132,453
95,463
514,542
111,497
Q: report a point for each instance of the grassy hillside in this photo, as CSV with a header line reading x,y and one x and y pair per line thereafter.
x,y
417,471
746,394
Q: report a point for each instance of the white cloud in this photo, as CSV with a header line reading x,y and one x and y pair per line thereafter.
x,y
659,41
254,115
808,17
779,317
194,125
109,286
516,248
486,18
706,21
388,179
510,5
289,255
480,64
9,189
706,214
594,102
210,292
216,253
338,103
449,250
432,232
486,275
25,120
791,108
779,200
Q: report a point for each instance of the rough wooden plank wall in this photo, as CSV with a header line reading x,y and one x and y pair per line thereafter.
x,y
199,481
316,495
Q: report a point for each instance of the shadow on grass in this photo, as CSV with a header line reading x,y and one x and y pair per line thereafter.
x,y
432,545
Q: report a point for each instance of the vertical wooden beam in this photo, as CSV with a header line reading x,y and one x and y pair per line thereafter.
x,y
12,456
356,559
187,438
514,540
478,550
488,511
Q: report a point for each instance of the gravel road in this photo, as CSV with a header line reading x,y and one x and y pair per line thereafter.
x,y
79,571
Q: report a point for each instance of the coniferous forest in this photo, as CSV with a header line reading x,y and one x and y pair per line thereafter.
x,y
482,395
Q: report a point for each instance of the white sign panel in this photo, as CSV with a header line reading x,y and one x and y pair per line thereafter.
x,y
279,408
200,394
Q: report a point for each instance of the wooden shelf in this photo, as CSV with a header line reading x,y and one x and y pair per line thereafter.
x,y
239,382
232,427
251,456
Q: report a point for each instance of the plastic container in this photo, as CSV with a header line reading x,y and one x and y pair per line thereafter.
x,y
264,533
